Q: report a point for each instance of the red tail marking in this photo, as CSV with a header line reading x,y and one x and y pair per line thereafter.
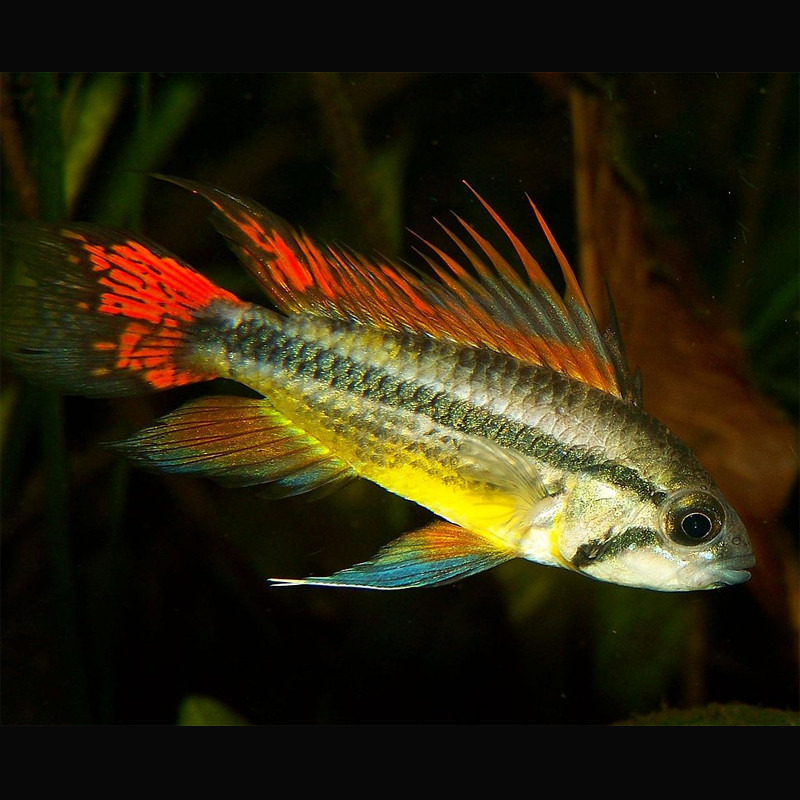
x,y
159,295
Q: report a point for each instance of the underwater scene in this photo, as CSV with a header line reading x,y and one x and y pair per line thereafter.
x,y
520,348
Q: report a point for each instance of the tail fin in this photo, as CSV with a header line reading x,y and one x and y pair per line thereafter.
x,y
107,314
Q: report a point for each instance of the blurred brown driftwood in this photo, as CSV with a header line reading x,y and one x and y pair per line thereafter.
x,y
691,357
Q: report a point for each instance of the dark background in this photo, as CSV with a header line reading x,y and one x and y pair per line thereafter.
x,y
136,598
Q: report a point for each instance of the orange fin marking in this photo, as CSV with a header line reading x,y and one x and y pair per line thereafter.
x,y
606,373
501,266
535,273
573,287
542,350
491,305
108,314
293,270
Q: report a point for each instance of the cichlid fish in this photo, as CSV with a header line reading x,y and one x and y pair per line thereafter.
x,y
482,395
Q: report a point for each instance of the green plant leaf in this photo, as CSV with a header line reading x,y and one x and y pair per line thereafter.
x,y
200,710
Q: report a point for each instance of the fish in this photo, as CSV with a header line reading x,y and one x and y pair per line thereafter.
x,y
467,384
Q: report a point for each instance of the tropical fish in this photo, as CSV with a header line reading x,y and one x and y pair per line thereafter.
x,y
476,391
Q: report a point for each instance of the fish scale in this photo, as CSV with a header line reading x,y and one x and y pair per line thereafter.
x,y
562,424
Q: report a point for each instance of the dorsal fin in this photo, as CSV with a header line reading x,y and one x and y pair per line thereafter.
x,y
489,305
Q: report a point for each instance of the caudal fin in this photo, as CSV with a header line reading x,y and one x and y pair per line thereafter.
x,y
107,313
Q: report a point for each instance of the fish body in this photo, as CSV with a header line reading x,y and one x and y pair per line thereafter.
x,y
482,396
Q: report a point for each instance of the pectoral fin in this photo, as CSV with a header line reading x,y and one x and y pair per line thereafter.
x,y
434,555
518,491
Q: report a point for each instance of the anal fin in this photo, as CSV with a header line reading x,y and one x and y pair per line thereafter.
x,y
238,441
437,554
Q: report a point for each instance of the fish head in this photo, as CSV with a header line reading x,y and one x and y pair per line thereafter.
x,y
691,539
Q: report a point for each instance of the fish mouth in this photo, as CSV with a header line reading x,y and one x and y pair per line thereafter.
x,y
734,570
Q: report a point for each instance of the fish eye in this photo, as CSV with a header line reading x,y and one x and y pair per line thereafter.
x,y
696,525
694,518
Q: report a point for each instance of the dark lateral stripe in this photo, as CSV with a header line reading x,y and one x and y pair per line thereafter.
x,y
597,550
309,360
